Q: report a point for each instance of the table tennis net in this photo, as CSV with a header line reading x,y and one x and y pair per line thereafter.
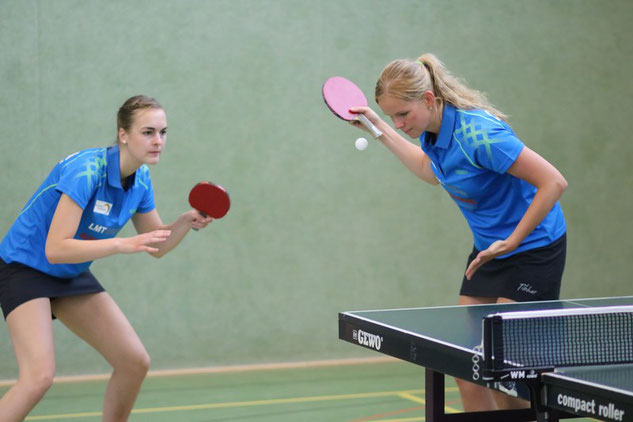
x,y
559,338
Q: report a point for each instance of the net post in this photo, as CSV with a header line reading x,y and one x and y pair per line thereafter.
x,y
492,345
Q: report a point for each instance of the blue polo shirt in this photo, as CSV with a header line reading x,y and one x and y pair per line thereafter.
x,y
470,158
92,178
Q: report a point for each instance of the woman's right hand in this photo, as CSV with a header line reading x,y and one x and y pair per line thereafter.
x,y
367,112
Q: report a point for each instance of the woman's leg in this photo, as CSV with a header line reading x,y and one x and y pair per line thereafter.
x,y
31,330
505,401
97,319
475,397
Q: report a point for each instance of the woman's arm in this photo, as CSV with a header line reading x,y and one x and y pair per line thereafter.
x,y
63,248
409,154
151,221
550,185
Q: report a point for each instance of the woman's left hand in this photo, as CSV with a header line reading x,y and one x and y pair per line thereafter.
x,y
497,248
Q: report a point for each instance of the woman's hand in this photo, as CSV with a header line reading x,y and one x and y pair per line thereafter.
x,y
143,242
497,248
367,112
196,220
150,222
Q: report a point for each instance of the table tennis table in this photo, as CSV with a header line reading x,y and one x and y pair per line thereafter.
x,y
447,341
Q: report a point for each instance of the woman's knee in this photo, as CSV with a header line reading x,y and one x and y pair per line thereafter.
x,y
134,362
38,381
143,362
475,397
469,388
463,384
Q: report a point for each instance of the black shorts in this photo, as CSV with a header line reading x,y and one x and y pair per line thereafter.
x,y
535,274
21,283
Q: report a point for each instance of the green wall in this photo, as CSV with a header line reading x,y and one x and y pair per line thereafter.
x,y
316,226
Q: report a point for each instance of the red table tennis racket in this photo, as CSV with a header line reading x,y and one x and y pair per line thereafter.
x,y
210,200
340,95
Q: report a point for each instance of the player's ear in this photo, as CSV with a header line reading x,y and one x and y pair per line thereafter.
x,y
428,98
122,136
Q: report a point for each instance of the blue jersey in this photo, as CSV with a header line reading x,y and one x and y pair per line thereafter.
x,y
92,178
470,158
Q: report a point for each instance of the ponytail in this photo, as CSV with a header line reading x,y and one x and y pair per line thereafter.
x,y
408,80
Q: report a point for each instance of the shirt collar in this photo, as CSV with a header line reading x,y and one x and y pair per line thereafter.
x,y
114,168
446,129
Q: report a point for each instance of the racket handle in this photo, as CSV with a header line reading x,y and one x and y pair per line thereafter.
x,y
202,214
369,125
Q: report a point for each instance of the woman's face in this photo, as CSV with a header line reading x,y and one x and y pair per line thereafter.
x,y
411,117
146,138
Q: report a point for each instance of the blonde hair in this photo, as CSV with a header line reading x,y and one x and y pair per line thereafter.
x,y
408,80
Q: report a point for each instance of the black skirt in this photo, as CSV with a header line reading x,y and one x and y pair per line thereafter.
x,y
20,283
535,274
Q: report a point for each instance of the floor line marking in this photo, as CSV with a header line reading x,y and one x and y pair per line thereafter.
x,y
210,406
384,415
412,398
225,369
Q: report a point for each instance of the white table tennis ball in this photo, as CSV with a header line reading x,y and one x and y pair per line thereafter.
x,y
361,144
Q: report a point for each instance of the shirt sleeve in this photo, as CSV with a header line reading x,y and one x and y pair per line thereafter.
x,y
498,148
80,176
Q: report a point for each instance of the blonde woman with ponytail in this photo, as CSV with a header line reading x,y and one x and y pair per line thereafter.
x,y
508,193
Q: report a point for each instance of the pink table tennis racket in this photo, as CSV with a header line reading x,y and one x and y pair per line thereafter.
x,y
340,95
